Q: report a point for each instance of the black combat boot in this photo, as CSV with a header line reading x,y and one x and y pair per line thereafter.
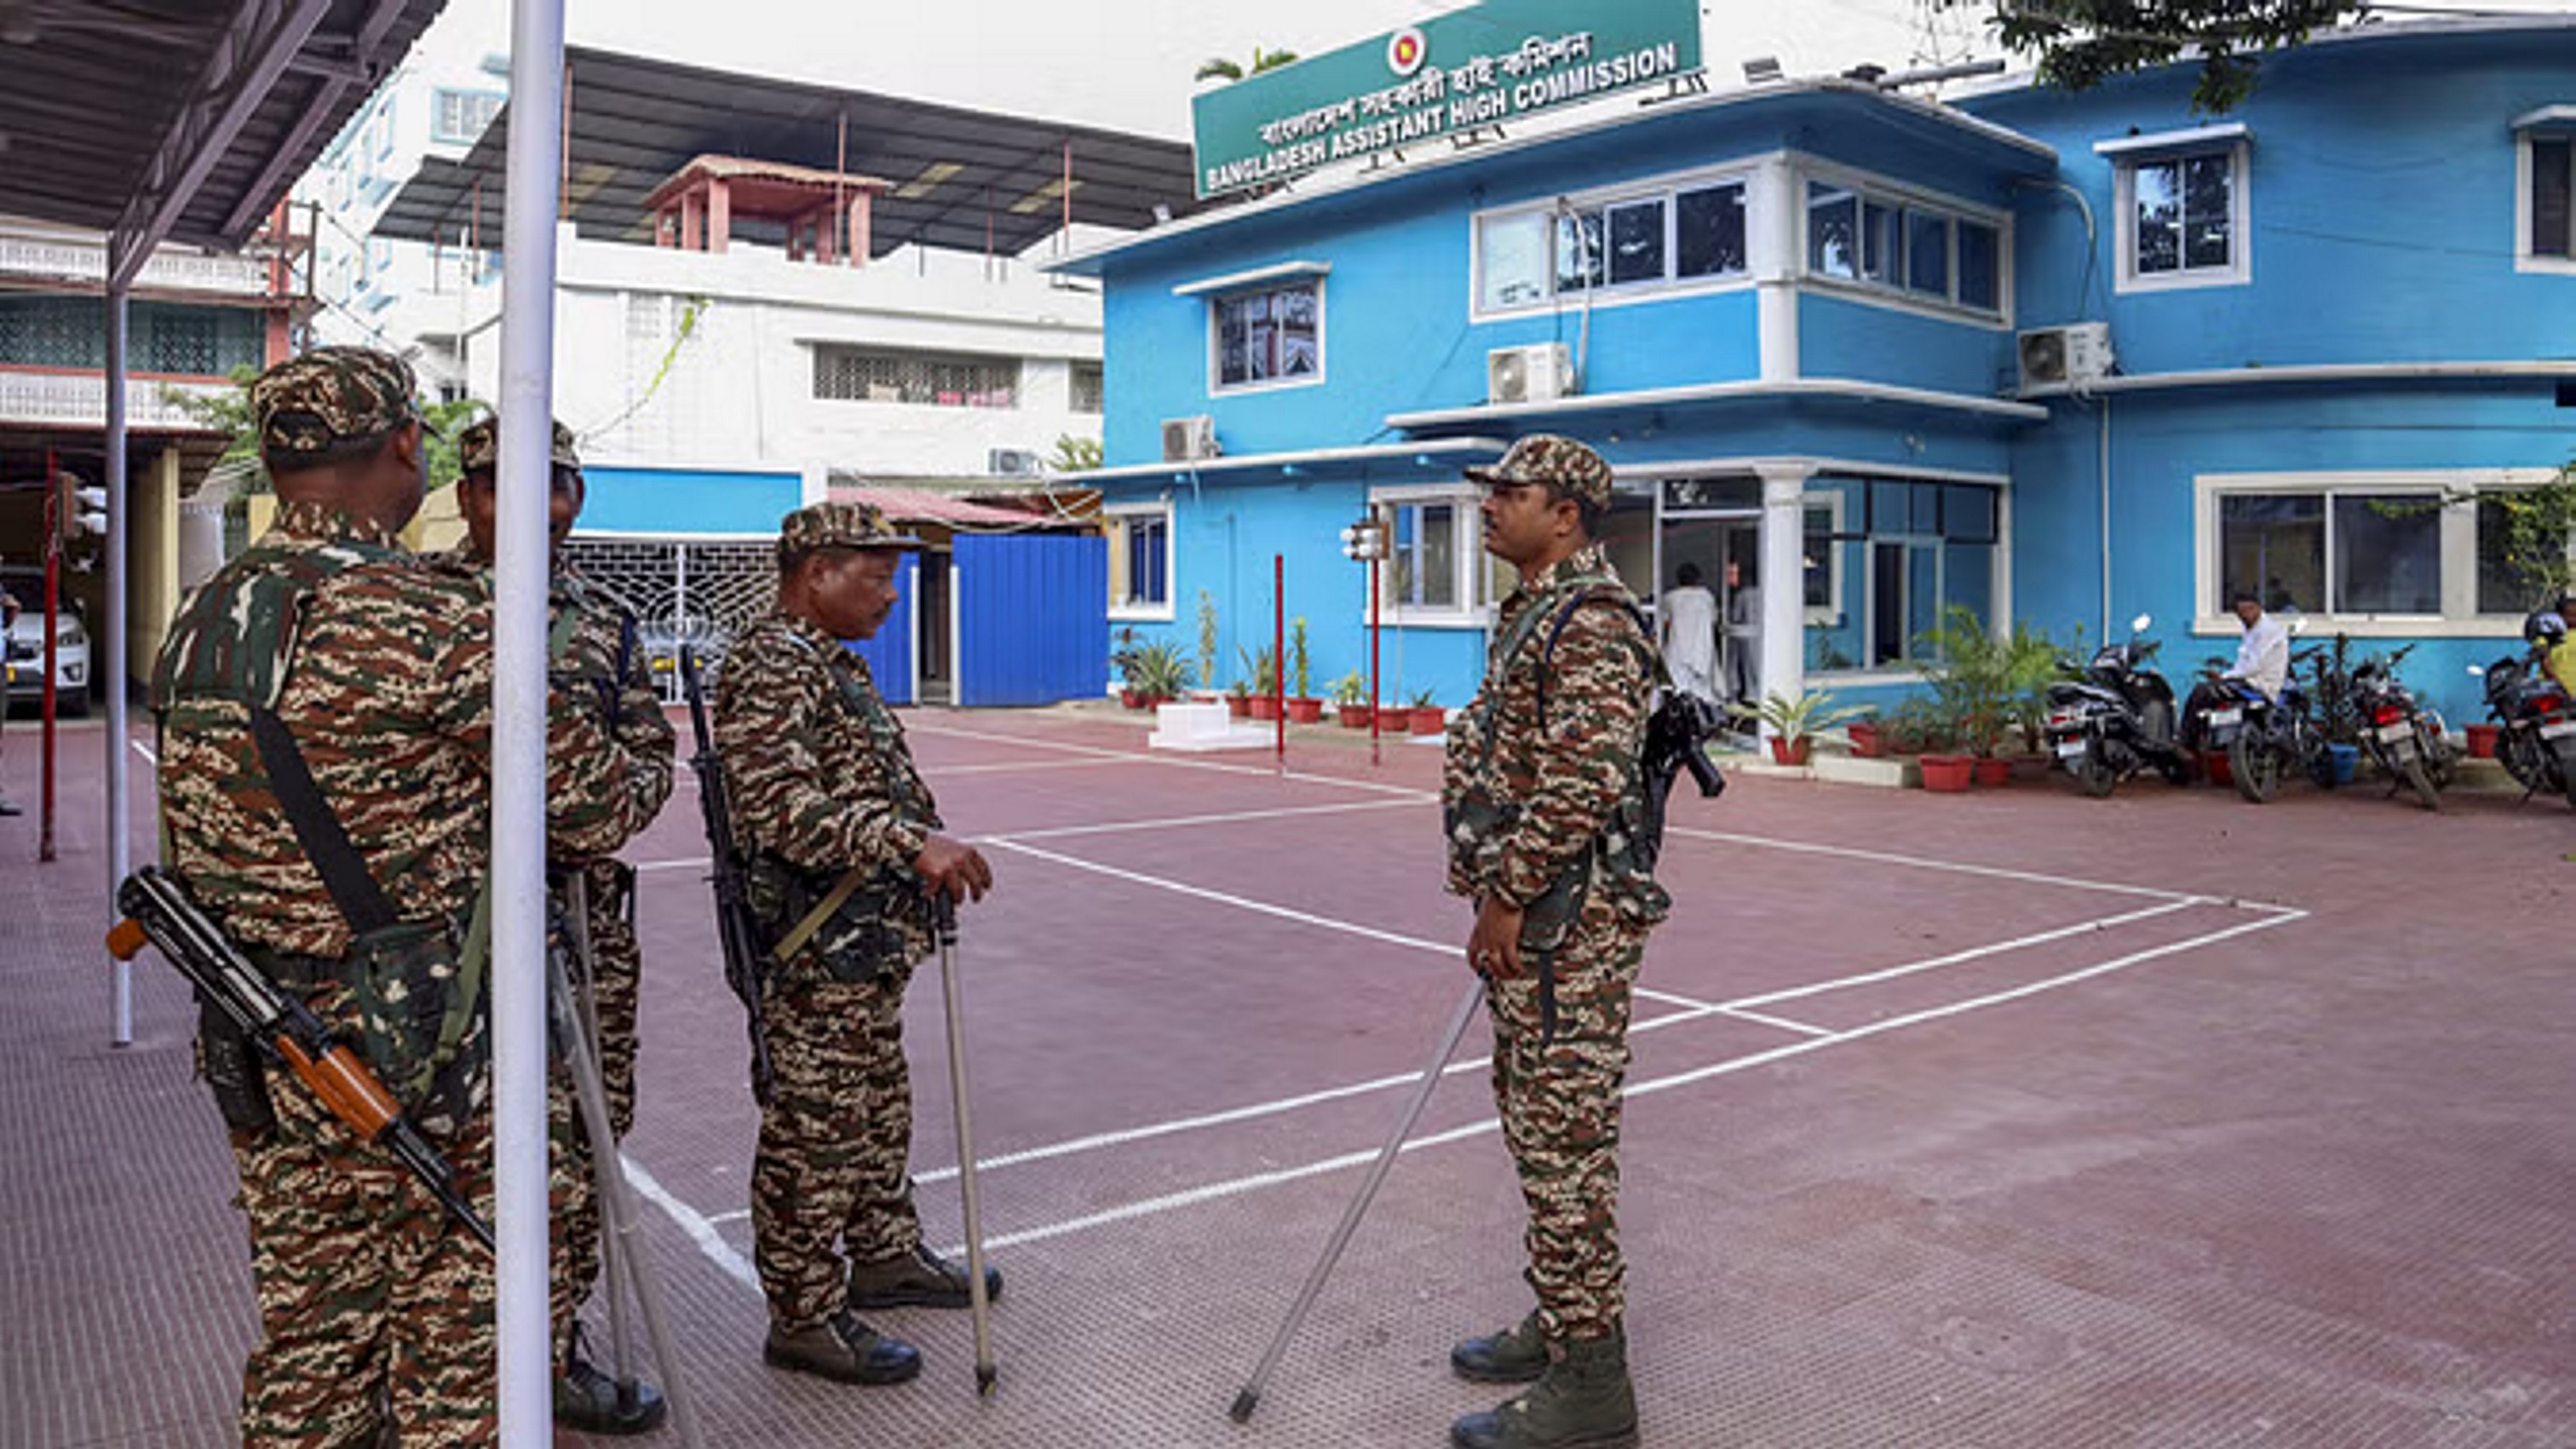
x,y
841,1347
594,1403
918,1279
1517,1355
1583,1401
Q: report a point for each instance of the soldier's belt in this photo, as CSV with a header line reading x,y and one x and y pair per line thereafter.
x,y
824,909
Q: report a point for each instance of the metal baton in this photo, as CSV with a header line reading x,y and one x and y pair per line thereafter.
x,y
977,1300
1250,1397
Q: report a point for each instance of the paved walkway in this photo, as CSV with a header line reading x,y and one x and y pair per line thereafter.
x,y
2003,1121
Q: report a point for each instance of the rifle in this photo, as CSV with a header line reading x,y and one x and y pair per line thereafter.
x,y
736,930
283,1028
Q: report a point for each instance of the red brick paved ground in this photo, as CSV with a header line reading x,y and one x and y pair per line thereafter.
x,y
1972,1122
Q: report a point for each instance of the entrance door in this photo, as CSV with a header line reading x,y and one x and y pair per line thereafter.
x,y
1740,606
938,673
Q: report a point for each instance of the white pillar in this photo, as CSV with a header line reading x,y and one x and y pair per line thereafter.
x,y
120,573
1771,254
524,1339
1784,590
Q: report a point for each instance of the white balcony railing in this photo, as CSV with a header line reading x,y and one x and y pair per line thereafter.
x,y
51,259
79,399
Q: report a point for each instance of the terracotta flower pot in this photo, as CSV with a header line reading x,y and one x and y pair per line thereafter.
x,y
1305,709
1265,706
2482,741
1132,699
1991,772
1429,719
1948,774
1355,716
1866,741
1238,706
1790,752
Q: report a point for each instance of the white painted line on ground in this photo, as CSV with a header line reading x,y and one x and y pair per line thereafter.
x,y
1781,1022
2038,938
1246,903
694,862
1234,1187
145,751
701,1230
1002,769
1919,863
1173,822
1255,771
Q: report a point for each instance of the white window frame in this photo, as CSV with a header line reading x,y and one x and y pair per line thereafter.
x,y
2458,488
1476,601
1216,337
1829,613
1896,294
2126,156
467,102
2556,123
1159,510
1665,190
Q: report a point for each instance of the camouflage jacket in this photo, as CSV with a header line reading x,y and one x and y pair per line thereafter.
x,y
817,767
600,666
386,687
1527,805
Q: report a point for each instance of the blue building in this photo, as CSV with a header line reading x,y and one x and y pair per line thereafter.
x,y
2060,358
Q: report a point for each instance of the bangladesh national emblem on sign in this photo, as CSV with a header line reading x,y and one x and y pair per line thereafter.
x,y
1406,50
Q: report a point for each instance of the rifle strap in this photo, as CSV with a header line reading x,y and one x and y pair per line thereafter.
x,y
326,843
832,901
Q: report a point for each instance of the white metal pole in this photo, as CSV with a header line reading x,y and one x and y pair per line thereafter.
x,y
524,1342
119,572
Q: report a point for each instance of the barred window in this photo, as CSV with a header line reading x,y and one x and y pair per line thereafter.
x,y
854,374
42,331
1089,393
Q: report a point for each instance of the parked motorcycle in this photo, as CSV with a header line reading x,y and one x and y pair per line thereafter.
x,y
2404,739
2535,726
2115,716
2267,739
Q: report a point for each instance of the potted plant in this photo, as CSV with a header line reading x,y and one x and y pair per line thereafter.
x,y
1302,706
1264,671
1869,739
1207,639
1161,672
1238,700
1793,722
1425,717
1350,701
1123,659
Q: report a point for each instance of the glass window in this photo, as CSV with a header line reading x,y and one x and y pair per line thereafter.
x,y
1816,558
1968,513
1637,242
1927,253
1833,231
1512,267
1140,561
1579,251
2388,553
2274,544
1708,227
1088,394
2183,214
1980,267
1271,334
1881,243
2500,588
2553,179
1914,551
1422,564
856,374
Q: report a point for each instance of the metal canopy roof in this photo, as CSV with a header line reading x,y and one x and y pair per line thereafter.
x,y
181,120
959,179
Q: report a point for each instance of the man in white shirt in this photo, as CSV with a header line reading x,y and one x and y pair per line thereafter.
x,y
1743,633
1686,626
2262,660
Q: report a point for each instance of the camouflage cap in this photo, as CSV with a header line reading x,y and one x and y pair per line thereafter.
x,y
1570,466
478,448
309,405
840,525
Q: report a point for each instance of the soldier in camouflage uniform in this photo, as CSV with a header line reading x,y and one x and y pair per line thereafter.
x,y
1539,794
824,793
325,644
597,663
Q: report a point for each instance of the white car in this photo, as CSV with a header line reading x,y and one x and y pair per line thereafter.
x,y
27,649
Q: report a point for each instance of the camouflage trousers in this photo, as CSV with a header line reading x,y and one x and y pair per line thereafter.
x,y
1559,1103
831,1175
616,966
375,1307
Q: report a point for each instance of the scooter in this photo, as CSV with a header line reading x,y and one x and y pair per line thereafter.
x,y
2535,727
2405,740
2115,717
2265,739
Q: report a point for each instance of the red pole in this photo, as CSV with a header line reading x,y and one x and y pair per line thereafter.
x,y
1279,649
1373,621
53,612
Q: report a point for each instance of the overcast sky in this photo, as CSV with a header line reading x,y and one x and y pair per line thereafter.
x,y
1126,64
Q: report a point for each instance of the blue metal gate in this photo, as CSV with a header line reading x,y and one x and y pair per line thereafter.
x,y
1032,617
890,652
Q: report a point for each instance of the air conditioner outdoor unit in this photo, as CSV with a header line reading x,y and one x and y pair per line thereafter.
x,y
1186,440
2077,352
1528,374
1011,463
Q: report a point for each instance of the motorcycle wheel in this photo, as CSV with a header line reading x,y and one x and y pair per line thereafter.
x,y
2567,770
2256,764
2095,772
2521,758
2421,782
